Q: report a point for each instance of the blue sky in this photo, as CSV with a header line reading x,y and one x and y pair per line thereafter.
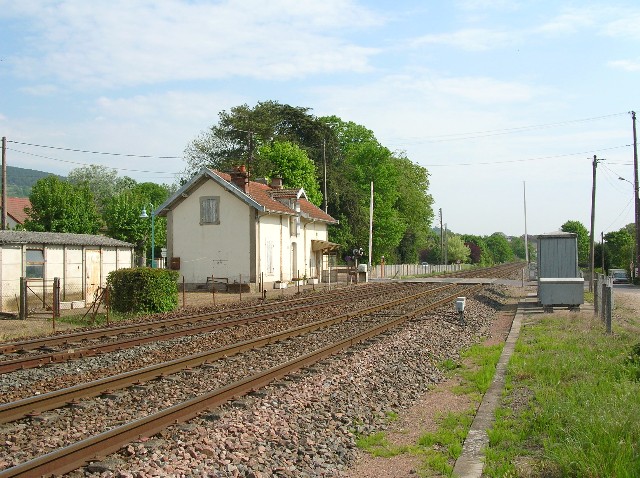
x,y
487,95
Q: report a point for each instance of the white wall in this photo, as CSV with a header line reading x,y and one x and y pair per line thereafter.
x,y
221,249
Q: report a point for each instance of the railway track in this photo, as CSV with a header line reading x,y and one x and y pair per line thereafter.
x,y
342,331
39,352
373,322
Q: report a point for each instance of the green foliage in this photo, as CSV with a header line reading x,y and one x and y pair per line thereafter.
x,y
143,290
103,182
583,239
457,251
292,164
499,248
59,206
122,216
576,391
620,247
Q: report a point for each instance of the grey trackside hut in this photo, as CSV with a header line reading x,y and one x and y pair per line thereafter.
x,y
560,282
81,261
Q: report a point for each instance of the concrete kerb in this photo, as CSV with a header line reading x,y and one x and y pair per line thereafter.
x,y
471,461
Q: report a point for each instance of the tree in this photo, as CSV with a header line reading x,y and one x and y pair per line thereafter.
x,y
123,221
479,253
583,239
103,182
457,251
292,164
499,248
59,206
243,130
619,247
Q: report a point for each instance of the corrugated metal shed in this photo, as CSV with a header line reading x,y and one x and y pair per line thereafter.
x,y
558,255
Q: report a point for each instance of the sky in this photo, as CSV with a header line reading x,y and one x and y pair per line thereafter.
x,y
499,100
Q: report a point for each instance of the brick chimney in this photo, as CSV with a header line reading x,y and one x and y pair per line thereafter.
x,y
240,178
276,183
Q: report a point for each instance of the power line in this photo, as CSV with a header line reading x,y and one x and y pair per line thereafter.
x,y
94,152
528,159
165,173
498,132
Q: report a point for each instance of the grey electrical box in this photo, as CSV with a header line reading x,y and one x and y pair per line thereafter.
x,y
558,255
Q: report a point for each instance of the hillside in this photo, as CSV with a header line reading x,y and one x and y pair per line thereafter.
x,y
20,180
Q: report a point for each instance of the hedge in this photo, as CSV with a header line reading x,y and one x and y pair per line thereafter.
x,y
143,290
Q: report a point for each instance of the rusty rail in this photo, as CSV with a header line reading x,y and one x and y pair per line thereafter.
x,y
78,454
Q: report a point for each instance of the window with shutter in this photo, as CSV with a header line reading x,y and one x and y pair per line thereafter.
x,y
209,210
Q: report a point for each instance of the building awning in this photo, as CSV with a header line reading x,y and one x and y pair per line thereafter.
x,y
325,246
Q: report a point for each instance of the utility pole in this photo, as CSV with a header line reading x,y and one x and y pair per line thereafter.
x,y
441,239
4,183
446,246
324,159
593,217
636,262
602,249
526,236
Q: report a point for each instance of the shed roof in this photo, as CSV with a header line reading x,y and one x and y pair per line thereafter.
x,y
59,238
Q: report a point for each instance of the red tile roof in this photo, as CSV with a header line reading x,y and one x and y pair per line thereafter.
x,y
16,208
266,196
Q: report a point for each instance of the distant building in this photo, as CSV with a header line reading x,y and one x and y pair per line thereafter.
x,y
16,211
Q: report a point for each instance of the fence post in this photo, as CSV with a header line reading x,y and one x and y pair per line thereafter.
x,y
596,294
22,310
240,287
55,302
107,305
609,309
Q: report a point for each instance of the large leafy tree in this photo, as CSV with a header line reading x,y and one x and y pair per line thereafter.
x,y
457,250
583,239
123,221
59,206
292,164
479,252
499,248
620,247
103,182
243,130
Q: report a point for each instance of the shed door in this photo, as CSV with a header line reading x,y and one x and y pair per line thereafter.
x,y
92,267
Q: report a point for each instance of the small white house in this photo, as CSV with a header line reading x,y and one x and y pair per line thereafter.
x,y
226,227
81,261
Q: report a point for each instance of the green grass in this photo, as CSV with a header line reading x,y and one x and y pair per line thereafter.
x,y
572,402
439,450
90,321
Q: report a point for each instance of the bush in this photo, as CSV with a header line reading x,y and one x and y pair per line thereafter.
x,y
143,290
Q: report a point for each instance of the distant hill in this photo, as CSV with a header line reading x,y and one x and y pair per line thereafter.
x,y
21,180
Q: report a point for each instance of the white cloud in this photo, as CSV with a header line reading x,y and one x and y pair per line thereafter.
x,y
124,43
39,90
626,65
476,39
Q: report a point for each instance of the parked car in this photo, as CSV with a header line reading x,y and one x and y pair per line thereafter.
x,y
619,276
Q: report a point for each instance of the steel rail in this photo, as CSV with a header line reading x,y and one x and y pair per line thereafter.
x,y
70,338
78,454
7,366
12,411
